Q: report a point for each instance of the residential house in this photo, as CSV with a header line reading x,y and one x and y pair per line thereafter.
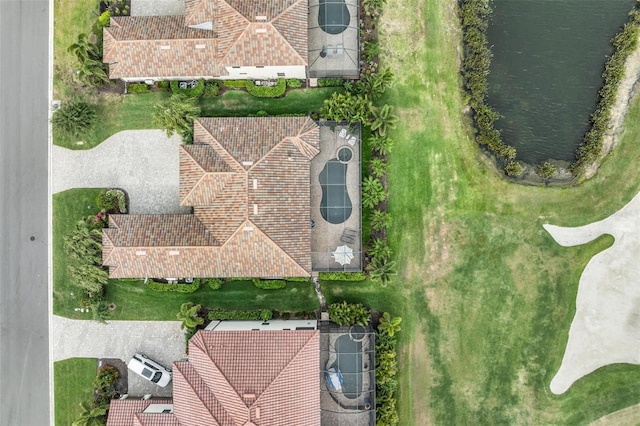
x,y
221,39
248,378
248,180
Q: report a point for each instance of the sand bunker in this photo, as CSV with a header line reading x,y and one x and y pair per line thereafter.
x,y
606,327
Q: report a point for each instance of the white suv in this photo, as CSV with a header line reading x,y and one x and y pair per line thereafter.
x,y
150,370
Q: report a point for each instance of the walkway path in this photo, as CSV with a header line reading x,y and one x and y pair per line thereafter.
x,y
606,326
145,163
162,341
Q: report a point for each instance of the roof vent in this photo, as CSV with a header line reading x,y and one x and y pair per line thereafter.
x,y
173,252
255,209
261,30
200,46
141,253
165,47
249,395
208,25
257,412
261,18
247,163
247,228
255,184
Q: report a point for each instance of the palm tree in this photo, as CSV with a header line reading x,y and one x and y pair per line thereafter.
x,y
381,269
176,115
91,416
389,325
92,70
382,119
381,144
378,166
380,249
373,192
189,315
380,220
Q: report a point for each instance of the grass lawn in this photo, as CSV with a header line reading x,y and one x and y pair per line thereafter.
x,y
68,207
486,295
73,383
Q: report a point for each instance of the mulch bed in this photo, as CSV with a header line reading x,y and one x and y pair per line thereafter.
x,y
122,385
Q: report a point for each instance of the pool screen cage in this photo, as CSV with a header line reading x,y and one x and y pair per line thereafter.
x,y
334,39
347,369
336,207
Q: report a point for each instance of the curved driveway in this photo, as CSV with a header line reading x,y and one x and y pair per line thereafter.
x,y
145,163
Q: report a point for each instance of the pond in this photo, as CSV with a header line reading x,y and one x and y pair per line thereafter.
x,y
548,58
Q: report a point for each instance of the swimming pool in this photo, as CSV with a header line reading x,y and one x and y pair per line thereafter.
x,y
335,206
349,362
333,16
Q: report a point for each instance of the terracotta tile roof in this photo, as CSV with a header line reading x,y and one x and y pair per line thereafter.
x,y
249,182
166,419
244,33
234,375
122,412
158,46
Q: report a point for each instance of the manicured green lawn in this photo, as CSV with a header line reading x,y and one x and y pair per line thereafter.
x,y
134,301
73,383
68,208
486,295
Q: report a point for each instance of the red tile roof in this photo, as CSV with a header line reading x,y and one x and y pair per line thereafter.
x,y
243,33
249,182
122,412
239,378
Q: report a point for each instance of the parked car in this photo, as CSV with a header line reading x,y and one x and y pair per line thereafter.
x,y
144,366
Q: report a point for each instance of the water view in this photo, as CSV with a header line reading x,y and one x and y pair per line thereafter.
x,y
548,58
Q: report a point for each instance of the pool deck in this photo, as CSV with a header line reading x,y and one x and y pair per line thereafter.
x,y
325,236
337,409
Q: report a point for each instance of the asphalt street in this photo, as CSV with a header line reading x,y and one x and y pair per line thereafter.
x,y
24,147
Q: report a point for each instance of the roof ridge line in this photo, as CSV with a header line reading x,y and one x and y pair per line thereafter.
x,y
308,119
306,62
266,155
221,60
295,3
236,163
286,367
176,366
278,248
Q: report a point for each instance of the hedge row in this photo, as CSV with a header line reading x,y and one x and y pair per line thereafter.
x,y
624,43
474,17
254,315
269,284
267,91
330,82
178,288
235,83
342,276
386,382
137,88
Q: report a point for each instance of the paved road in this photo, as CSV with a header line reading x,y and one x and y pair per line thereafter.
x,y
162,341
145,163
24,306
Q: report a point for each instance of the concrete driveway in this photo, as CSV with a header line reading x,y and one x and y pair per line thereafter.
x,y
162,341
145,163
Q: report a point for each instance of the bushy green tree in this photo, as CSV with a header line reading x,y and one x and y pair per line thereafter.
x,y
176,115
190,316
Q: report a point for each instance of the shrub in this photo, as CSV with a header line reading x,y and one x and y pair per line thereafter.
x,y
379,249
267,91
190,316
176,115
266,315
137,88
269,284
330,82
74,119
294,83
165,86
193,92
214,283
107,376
235,83
380,220
100,310
112,200
178,288
545,170
386,382
223,314
348,313
342,276
513,168
373,192
211,88
297,279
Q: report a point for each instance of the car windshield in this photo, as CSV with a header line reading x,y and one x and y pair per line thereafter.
x,y
147,373
156,377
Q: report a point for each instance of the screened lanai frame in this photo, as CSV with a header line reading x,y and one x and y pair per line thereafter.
x,y
336,408
336,199
334,39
